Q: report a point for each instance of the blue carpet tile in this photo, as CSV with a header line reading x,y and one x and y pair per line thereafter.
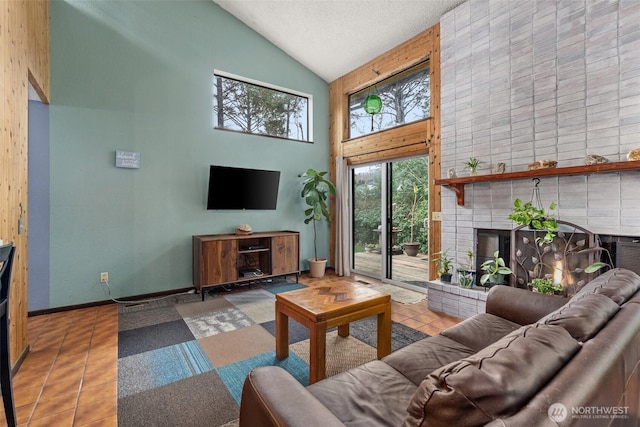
x,y
233,375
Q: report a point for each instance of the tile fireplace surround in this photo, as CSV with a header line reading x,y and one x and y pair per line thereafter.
x,y
529,81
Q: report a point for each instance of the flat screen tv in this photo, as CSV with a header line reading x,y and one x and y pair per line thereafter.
x,y
239,188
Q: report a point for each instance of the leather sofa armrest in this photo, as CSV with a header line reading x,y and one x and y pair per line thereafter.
x,y
271,397
520,305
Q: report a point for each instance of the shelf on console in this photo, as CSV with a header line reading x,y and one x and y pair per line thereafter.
x,y
457,184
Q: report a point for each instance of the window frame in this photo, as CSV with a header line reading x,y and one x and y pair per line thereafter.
x,y
250,81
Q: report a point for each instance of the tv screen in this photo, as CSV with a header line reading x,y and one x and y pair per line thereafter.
x,y
239,188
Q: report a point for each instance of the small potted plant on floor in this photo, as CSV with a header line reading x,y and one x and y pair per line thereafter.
x,y
444,263
315,192
494,271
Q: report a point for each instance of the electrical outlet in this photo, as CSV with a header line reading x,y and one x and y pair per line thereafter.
x,y
104,277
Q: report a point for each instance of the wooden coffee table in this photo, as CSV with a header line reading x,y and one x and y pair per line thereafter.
x,y
326,306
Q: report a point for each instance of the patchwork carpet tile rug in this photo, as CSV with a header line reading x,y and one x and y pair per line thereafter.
x,y
182,361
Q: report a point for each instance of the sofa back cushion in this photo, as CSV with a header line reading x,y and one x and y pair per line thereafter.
x,y
617,284
495,382
583,316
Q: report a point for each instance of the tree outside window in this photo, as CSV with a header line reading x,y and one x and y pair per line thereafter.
x,y
260,109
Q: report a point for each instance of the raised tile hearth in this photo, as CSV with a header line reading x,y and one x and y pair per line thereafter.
x,y
456,301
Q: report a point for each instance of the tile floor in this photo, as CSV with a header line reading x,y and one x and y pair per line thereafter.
x,y
69,378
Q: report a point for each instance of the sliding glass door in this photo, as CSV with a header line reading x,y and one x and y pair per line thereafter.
x,y
389,227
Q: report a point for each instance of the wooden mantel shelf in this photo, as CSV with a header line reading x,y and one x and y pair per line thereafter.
x,y
457,184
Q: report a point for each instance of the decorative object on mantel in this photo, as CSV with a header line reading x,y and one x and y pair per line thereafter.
x,y
498,168
634,154
452,173
594,159
472,164
542,164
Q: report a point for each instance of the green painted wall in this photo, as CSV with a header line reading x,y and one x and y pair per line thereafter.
x,y
137,76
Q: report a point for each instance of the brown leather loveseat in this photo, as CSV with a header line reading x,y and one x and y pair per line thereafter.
x,y
530,360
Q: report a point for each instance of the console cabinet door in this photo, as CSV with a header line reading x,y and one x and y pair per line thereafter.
x,y
218,263
285,254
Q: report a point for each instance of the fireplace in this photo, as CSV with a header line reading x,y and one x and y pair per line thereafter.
x,y
618,251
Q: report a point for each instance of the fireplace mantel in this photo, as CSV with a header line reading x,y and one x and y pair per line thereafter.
x,y
457,184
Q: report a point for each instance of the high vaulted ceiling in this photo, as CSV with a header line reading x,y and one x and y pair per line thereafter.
x,y
334,37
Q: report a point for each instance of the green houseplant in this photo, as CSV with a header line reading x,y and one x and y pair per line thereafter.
x,y
494,270
444,263
472,164
545,286
466,273
315,192
535,217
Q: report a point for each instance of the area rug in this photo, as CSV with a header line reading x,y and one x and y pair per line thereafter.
x,y
401,295
182,361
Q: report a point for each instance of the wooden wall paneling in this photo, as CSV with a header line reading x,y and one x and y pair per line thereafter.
x,y
435,169
24,41
395,139
393,143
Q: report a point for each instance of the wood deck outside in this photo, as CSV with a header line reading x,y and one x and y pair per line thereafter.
x,y
404,268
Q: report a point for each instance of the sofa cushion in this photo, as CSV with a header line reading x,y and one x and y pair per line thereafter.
x,y
479,331
583,316
373,394
495,382
618,284
419,359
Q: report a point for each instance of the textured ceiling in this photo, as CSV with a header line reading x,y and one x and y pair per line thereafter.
x,y
333,37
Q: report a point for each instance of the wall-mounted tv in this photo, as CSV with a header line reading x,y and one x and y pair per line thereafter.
x,y
239,188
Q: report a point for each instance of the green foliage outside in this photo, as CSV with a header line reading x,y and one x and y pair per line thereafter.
x,y
410,204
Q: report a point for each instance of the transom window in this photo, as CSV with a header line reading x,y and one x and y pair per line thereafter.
x,y
250,106
406,98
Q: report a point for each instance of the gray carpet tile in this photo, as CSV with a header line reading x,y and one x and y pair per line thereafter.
x,y
250,297
152,337
202,400
218,322
199,307
297,332
151,316
401,335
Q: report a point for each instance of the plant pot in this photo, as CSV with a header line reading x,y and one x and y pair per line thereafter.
x,y
445,277
496,279
317,267
466,278
411,249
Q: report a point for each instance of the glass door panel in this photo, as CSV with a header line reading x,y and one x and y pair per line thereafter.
x,y
389,226
367,227
409,209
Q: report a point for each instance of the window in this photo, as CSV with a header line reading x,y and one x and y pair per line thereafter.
x,y
406,98
249,106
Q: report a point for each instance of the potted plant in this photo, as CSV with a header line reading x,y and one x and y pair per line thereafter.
x,y
472,164
315,192
466,273
545,286
411,248
536,218
444,263
494,271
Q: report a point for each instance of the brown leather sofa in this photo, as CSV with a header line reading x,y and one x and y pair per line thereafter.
x,y
530,360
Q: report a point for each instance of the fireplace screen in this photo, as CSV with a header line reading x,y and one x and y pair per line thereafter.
x,y
563,260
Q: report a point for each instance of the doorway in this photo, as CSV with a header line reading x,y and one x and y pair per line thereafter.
x,y
388,220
